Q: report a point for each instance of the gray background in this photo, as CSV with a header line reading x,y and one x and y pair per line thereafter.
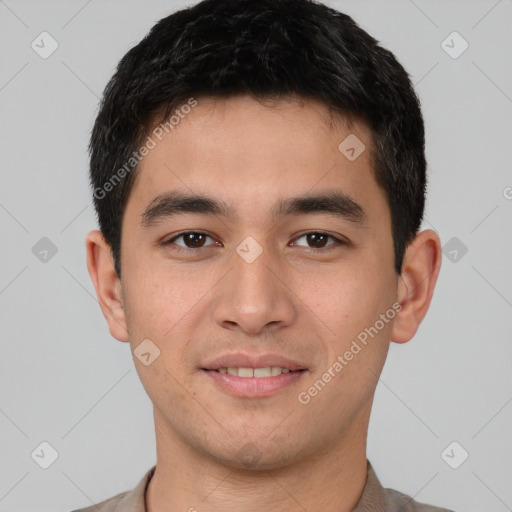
x,y
65,381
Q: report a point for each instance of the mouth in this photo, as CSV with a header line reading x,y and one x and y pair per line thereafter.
x,y
258,373
246,375
260,382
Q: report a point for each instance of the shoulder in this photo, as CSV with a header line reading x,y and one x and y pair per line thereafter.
x,y
128,501
404,503
376,497
108,505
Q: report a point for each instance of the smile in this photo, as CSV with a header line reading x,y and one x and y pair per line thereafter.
x,y
267,371
246,382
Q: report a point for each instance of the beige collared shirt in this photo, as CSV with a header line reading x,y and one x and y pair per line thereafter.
x,y
373,499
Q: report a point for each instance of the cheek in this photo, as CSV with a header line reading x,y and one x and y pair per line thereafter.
x,y
158,296
347,294
166,305
350,302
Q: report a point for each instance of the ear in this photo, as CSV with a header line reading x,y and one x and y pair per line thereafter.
x,y
421,265
100,264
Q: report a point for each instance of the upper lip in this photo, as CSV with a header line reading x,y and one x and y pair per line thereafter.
x,y
241,360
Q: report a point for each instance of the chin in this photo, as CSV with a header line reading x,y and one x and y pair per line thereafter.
x,y
261,454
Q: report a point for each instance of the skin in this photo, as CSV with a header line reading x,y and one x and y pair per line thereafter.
x,y
296,299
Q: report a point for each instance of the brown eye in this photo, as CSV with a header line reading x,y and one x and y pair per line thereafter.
x,y
318,240
190,240
194,240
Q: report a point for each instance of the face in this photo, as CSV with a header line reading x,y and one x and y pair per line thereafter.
x,y
260,275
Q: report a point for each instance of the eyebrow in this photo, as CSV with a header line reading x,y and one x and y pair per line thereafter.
x,y
174,203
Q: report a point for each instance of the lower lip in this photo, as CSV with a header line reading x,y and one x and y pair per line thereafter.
x,y
248,387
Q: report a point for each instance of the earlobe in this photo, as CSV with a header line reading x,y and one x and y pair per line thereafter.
x,y
106,283
420,269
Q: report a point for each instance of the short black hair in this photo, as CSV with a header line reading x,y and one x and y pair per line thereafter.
x,y
267,49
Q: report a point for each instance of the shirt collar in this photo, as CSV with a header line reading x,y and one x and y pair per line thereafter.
x,y
372,498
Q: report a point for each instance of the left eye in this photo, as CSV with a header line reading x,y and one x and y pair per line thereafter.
x,y
318,239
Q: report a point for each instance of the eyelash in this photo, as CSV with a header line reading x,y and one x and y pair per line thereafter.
x,y
337,241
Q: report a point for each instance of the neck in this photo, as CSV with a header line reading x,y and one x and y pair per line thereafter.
x,y
331,481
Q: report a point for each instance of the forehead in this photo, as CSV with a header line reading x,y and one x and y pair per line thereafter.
x,y
251,154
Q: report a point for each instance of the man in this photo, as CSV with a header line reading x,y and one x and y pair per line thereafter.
x,y
258,172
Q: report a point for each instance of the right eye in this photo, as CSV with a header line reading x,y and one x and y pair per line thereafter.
x,y
192,240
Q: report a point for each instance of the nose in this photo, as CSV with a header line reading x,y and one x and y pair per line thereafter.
x,y
255,297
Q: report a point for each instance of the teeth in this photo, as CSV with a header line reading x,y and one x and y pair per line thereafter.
x,y
245,372
262,372
268,371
